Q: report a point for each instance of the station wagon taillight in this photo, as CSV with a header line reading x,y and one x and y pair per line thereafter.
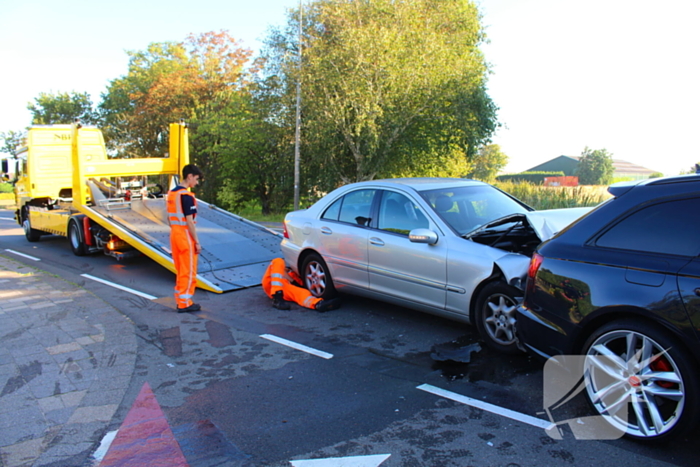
x,y
535,263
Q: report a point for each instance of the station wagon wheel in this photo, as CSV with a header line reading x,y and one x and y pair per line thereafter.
x,y
495,316
317,278
641,381
32,235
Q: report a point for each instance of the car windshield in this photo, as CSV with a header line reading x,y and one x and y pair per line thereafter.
x,y
469,207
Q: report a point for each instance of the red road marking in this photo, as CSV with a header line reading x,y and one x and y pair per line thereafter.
x,y
145,437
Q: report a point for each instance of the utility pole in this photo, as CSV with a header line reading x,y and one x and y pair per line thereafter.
x,y
297,135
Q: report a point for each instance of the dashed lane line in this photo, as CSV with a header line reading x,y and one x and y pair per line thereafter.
x,y
297,346
520,417
22,254
120,287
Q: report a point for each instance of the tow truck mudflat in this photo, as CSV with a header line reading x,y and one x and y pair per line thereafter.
x,y
68,186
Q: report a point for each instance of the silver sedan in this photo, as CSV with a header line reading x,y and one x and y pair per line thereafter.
x,y
452,247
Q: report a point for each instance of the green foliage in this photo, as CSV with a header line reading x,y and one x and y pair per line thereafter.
x,y
488,162
246,150
544,197
656,175
6,188
167,82
388,87
595,167
531,177
691,170
63,108
11,141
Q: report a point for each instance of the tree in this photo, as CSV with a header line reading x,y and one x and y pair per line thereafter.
x,y
489,161
63,108
388,86
12,140
167,82
255,150
595,167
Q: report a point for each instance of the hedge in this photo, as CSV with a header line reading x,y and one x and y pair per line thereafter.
x,y
531,177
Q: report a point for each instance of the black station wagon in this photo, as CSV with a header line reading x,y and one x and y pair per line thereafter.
x,y
621,286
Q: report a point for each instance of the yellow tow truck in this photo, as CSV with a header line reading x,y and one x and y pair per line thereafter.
x,y
67,185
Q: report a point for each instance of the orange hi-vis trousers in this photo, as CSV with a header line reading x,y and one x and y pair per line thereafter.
x,y
185,260
276,279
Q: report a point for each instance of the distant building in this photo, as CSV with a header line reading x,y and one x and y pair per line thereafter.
x,y
569,164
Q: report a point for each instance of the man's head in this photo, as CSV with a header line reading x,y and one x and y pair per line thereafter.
x,y
191,176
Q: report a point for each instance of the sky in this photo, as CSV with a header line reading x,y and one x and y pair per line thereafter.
x,y
620,75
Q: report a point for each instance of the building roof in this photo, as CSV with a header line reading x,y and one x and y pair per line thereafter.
x,y
620,166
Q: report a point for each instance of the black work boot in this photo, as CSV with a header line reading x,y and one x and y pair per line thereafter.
x,y
327,305
193,307
279,302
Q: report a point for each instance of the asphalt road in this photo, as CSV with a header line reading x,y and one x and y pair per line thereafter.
x,y
235,397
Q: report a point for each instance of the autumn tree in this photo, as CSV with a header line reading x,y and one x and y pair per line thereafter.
x,y
388,86
167,82
488,162
595,167
63,108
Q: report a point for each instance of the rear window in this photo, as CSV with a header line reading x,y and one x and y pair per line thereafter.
x,y
353,208
670,228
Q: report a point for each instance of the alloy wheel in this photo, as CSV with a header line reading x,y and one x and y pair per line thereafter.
x,y
315,278
634,383
499,318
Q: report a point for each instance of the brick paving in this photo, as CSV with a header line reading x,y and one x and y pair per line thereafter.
x,y
66,360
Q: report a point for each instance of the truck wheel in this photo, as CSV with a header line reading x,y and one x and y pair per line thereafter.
x,y
32,235
76,237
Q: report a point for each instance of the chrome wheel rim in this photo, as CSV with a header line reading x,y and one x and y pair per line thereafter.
x,y
499,318
634,383
315,278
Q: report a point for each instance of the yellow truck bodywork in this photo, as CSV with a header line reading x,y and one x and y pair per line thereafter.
x,y
61,168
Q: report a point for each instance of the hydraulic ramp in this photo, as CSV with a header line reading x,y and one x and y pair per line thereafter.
x,y
235,251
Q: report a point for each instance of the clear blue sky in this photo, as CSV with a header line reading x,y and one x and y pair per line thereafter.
x,y
615,74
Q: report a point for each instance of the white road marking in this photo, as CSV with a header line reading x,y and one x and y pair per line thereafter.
x,y
354,461
106,442
7,219
534,421
120,287
294,345
22,254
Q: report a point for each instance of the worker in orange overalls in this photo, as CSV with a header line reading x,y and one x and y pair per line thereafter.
x,y
278,286
182,211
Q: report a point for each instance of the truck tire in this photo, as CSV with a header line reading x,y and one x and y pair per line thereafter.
x,y
32,235
76,236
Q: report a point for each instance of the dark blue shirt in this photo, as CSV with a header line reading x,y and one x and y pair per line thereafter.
x,y
188,206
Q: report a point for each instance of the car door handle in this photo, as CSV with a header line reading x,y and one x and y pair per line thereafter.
x,y
326,230
376,241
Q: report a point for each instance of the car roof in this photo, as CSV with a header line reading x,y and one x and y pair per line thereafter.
x,y
619,188
427,183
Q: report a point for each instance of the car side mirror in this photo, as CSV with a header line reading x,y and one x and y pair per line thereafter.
x,y
426,236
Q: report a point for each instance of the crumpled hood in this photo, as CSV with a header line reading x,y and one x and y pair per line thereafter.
x,y
551,221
